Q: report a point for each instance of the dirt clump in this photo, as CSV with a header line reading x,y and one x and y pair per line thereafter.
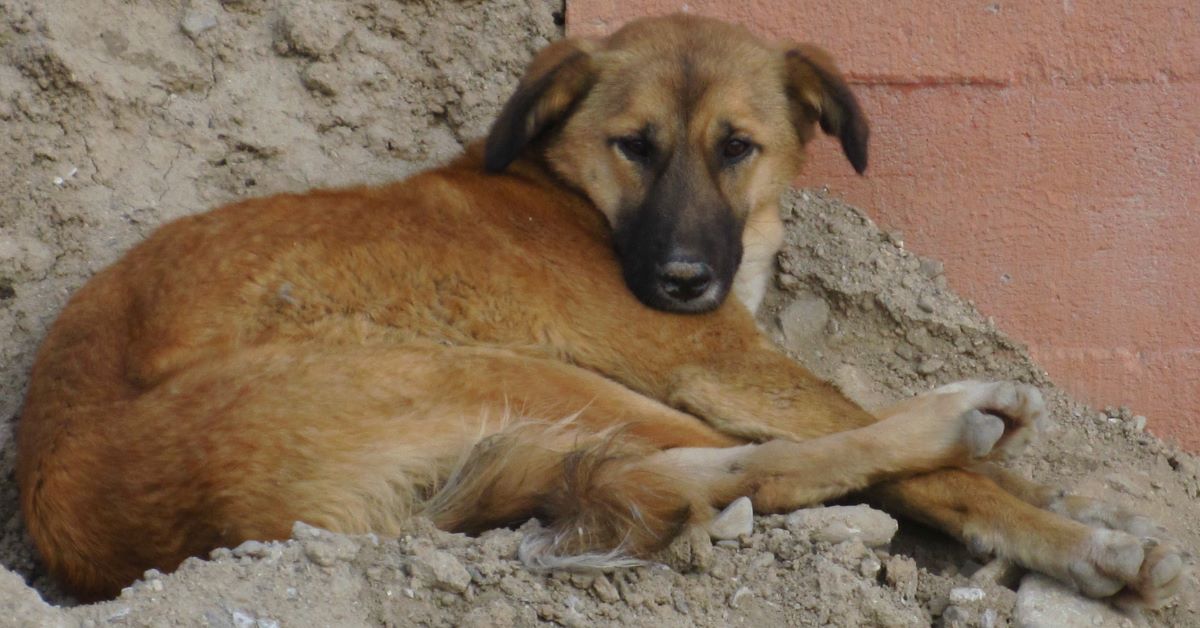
x,y
119,116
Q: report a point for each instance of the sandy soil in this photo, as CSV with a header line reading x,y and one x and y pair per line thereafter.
x,y
120,115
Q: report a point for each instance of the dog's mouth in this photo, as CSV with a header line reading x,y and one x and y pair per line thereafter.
x,y
682,292
706,301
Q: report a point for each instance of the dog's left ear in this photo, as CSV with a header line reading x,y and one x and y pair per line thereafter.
x,y
557,78
819,93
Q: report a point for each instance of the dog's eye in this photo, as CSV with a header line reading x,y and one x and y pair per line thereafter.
x,y
635,147
735,149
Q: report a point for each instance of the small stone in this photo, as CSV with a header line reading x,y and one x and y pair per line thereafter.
x,y
930,365
926,303
804,320
253,549
736,520
838,524
999,571
312,29
196,23
605,590
691,550
870,566
321,78
955,617
900,572
1124,484
737,596
1139,423
966,595
439,568
931,268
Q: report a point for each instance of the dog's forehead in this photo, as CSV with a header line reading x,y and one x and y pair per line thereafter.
x,y
672,67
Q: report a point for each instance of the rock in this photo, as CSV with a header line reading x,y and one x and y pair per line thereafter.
x,y
737,596
312,29
900,572
999,571
330,550
964,595
1043,602
736,520
692,550
439,569
930,365
803,322
605,590
195,23
838,524
926,303
931,268
322,78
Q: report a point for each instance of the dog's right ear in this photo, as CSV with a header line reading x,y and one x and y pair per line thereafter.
x,y
557,78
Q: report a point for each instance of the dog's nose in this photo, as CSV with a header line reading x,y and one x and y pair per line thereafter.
x,y
685,281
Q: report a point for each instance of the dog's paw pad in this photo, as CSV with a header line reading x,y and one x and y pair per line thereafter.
x,y
1110,561
1160,578
981,433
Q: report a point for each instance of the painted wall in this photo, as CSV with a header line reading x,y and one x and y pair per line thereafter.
x,y
1047,150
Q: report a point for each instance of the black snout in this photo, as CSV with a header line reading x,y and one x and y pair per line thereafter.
x,y
684,280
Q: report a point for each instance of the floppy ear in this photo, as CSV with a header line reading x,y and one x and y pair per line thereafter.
x,y
818,93
557,78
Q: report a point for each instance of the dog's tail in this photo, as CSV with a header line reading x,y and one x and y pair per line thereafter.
x,y
607,498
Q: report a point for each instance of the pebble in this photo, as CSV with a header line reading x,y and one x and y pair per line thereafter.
x,y
900,573
736,520
605,590
963,595
196,23
439,568
312,29
932,268
926,303
1139,422
838,524
930,365
804,320
737,596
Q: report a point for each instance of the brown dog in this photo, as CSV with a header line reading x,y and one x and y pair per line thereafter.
x,y
506,337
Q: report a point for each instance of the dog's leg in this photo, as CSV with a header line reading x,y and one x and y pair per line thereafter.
x,y
609,495
1100,561
752,391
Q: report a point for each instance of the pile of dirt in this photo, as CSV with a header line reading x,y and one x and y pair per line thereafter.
x,y
120,115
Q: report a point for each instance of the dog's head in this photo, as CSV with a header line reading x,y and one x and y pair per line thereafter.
x,y
683,132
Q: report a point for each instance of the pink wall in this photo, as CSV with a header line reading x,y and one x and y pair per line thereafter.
x,y
1047,150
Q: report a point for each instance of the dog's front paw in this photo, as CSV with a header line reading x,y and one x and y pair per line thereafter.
x,y
967,422
1136,572
1128,556
1001,418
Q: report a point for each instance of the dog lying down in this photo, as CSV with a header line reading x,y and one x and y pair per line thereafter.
x,y
351,357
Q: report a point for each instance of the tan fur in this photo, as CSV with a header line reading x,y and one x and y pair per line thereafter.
x,y
462,344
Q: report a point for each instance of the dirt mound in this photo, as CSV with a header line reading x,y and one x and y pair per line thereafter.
x,y
123,115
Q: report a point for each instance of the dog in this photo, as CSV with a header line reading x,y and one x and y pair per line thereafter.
x,y
542,327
